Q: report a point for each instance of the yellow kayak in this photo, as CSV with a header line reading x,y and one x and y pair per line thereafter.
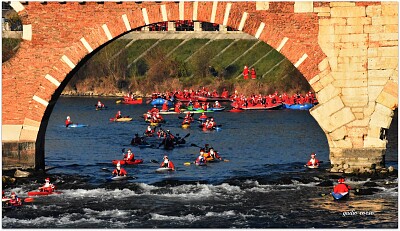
x,y
184,126
153,124
121,119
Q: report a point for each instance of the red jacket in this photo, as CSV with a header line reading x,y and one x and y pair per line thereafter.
x,y
341,188
253,74
316,163
68,122
170,165
122,172
131,158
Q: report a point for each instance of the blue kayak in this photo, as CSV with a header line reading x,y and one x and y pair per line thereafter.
x,y
160,102
77,125
340,196
306,106
216,109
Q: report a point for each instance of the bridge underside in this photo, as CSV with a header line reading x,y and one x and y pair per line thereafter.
x,y
347,51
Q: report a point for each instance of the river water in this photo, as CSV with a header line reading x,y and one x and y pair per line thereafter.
x,y
263,185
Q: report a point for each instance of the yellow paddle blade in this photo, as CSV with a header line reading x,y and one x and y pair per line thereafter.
x,y
225,160
118,101
186,163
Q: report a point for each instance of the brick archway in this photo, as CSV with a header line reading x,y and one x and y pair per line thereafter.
x,y
56,43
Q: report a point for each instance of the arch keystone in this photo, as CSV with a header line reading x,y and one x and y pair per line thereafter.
x,y
181,10
126,22
242,21
17,6
301,60
52,80
107,31
214,11
40,100
164,13
27,32
195,10
86,45
283,42
145,16
68,61
226,15
259,30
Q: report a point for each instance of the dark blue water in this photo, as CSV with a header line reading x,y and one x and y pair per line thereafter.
x,y
263,185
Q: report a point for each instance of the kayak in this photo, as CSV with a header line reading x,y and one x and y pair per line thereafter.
x,y
185,126
125,119
162,170
310,166
216,108
153,124
305,106
209,99
122,162
261,107
200,163
168,112
236,110
101,108
340,196
160,102
131,101
77,125
212,160
116,178
38,193
200,111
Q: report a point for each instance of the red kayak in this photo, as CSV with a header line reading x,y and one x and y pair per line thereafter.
x,y
132,101
122,162
236,110
38,193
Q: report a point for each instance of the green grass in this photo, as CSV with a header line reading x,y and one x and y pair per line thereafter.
x,y
216,46
188,48
138,47
232,53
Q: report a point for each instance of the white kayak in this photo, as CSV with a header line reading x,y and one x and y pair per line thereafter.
x,y
162,169
116,178
310,166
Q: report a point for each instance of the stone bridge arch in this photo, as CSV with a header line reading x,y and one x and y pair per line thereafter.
x,y
346,50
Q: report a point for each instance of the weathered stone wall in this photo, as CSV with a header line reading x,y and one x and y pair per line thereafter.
x,y
358,83
346,50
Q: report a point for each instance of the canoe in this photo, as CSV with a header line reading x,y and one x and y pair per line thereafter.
x,y
116,178
38,193
216,109
77,125
340,196
126,119
122,162
132,101
160,102
305,106
162,170
185,126
260,107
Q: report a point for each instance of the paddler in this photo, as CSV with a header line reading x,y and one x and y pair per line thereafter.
x,y
167,163
203,116
313,161
154,109
14,200
341,187
214,154
200,158
165,106
119,171
68,121
47,187
212,124
99,104
118,115
149,131
129,156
